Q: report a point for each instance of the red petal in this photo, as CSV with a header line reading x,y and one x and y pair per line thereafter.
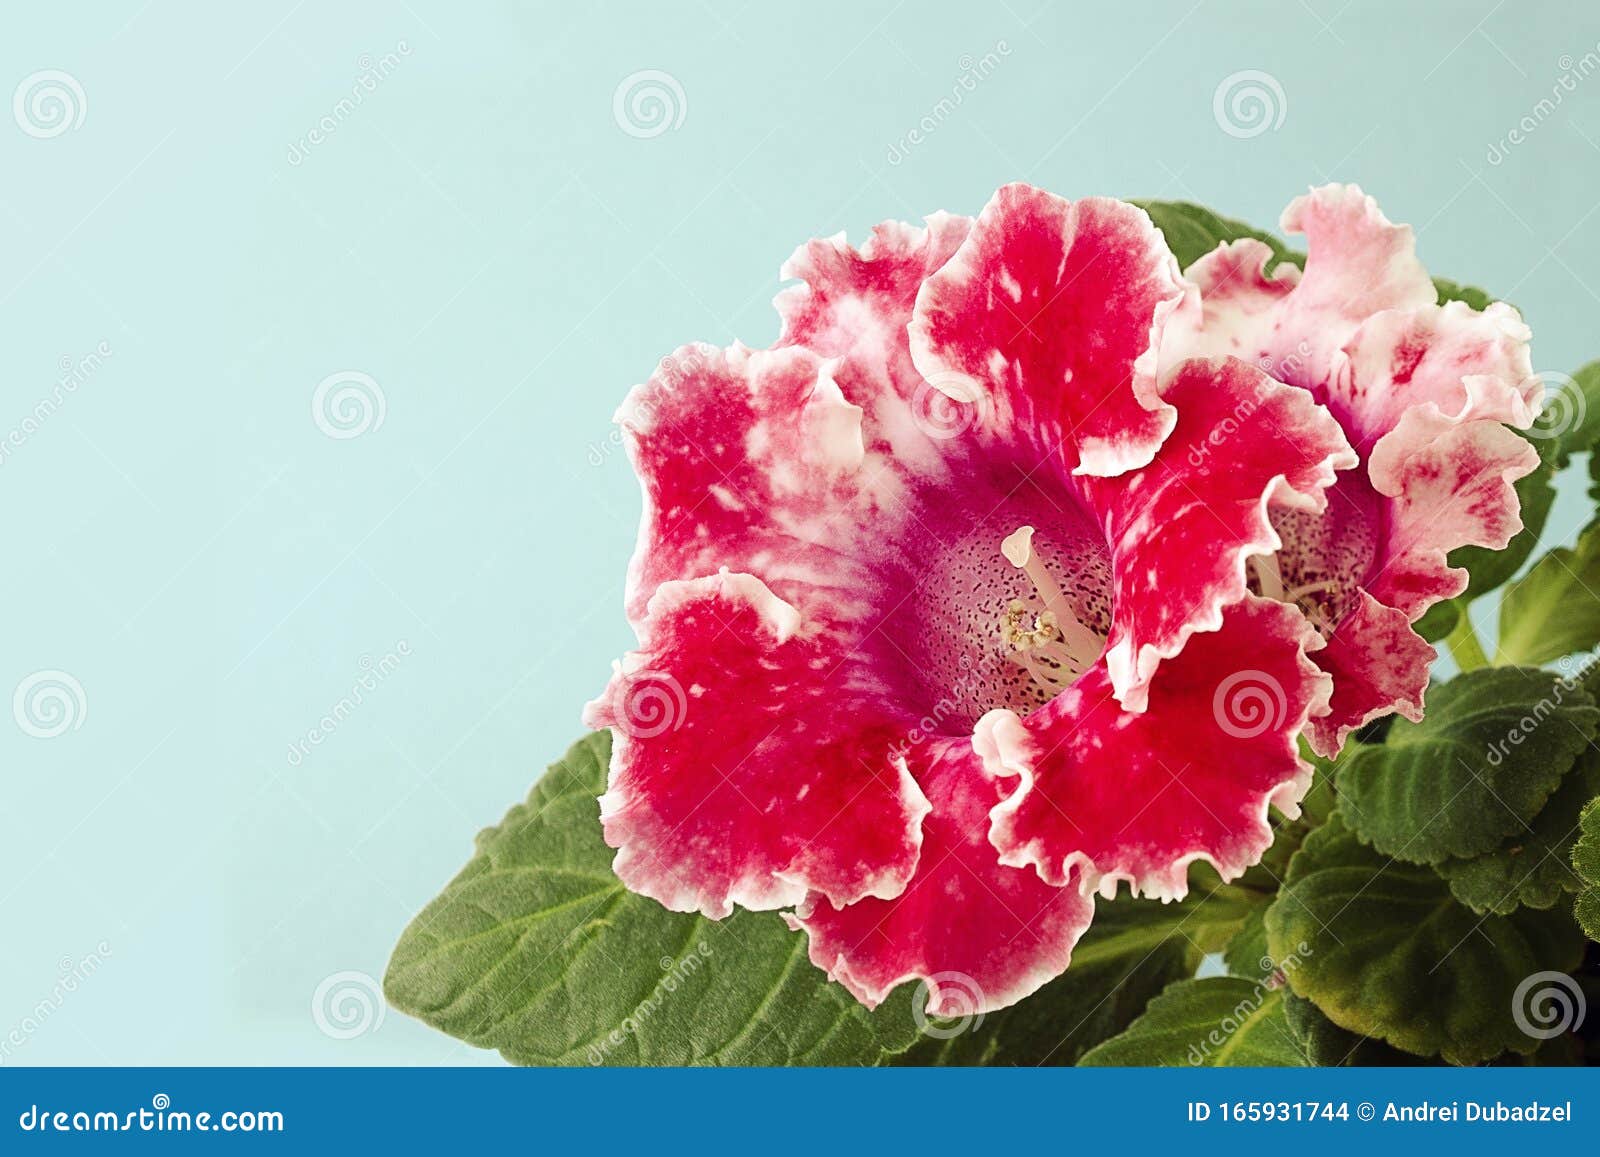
x,y
1120,796
855,306
981,935
751,764
1051,310
737,450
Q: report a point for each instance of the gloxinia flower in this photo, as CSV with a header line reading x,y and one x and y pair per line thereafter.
x,y
1422,390
942,603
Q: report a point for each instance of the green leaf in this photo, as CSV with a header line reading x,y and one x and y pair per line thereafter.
x,y
1490,751
1326,1045
1439,620
1455,291
537,950
1391,954
1217,1022
1554,609
1247,955
1531,868
1573,416
1586,861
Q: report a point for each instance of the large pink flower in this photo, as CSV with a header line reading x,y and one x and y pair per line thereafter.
x,y
943,602
1423,391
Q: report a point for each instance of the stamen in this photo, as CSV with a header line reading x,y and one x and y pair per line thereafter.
x,y
1080,640
1269,577
1305,589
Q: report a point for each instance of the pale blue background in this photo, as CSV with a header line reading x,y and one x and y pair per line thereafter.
x,y
484,240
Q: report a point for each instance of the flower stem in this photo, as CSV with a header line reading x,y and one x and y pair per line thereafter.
x,y
1464,645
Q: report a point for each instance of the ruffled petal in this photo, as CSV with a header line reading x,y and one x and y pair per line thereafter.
x,y
859,302
743,456
1240,307
752,762
1182,529
1051,311
1472,366
1358,262
854,306
980,935
1450,485
1118,796
1379,666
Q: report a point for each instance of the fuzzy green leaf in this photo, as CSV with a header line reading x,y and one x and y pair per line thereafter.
x,y
1391,954
1490,751
1573,415
1439,621
537,950
1531,868
1554,609
1586,861
1218,1022
1326,1045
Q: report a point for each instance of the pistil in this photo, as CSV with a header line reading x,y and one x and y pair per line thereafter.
x,y
1056,648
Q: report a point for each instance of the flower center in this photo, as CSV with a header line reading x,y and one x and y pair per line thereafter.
x,y
980,614
1046,640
